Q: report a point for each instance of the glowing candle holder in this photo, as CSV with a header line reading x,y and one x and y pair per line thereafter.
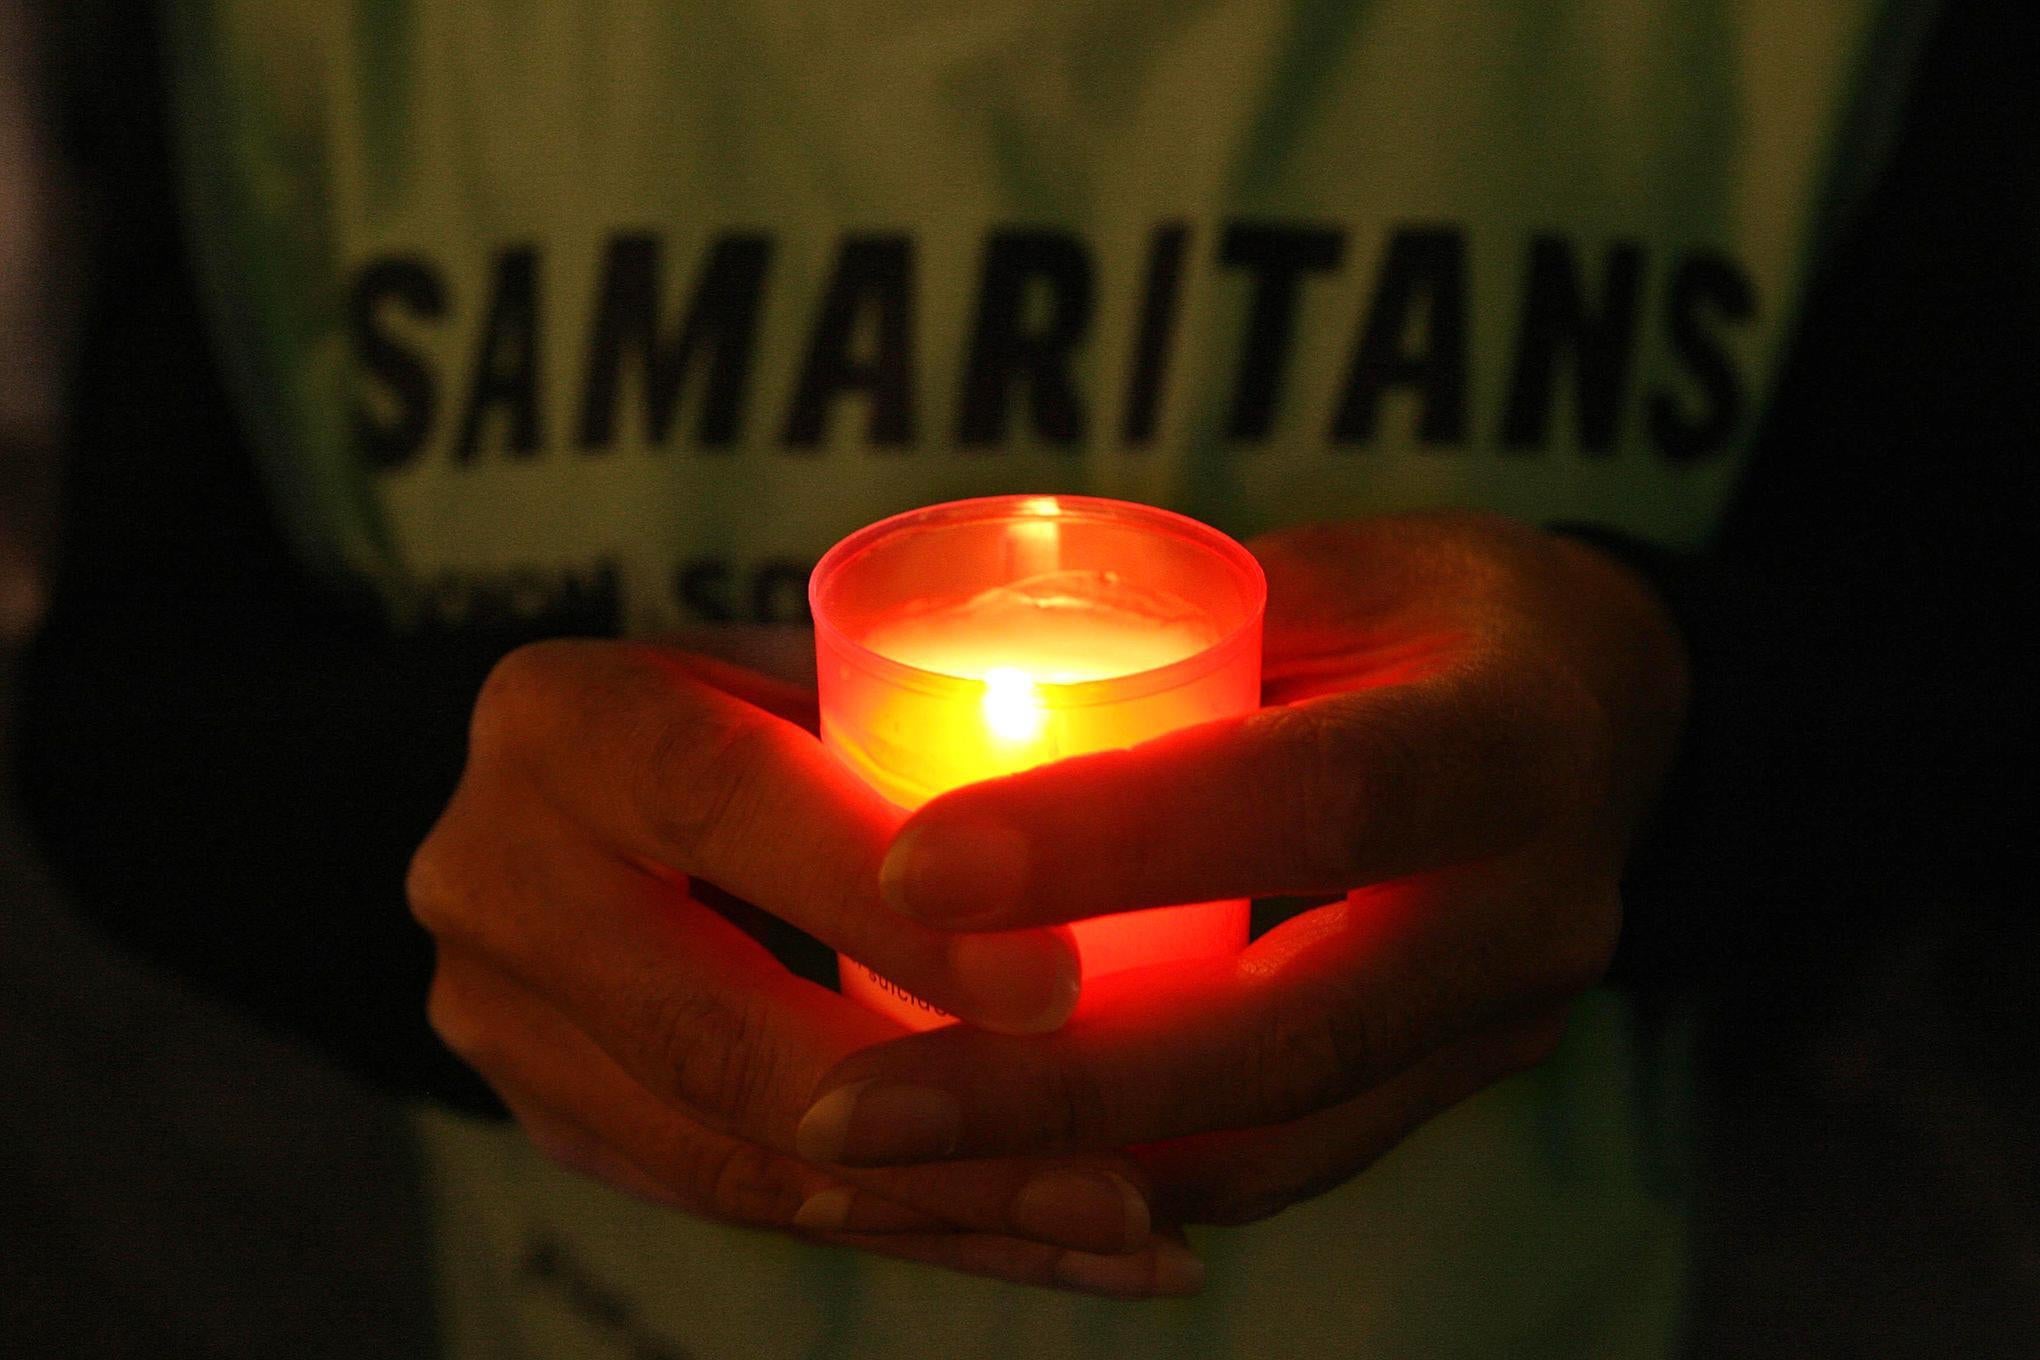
x,y
979,638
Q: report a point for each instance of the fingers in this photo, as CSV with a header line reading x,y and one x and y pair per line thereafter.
x,y
1326,1006
589,1112
1245,1175
545,1067
618,1133
846,1216
686,780
697,1011
743,1187
1088,1204
1322,795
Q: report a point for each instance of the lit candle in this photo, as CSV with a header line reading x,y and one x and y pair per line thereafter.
x,y
984,637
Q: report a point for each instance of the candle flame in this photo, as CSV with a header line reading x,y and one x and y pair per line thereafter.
x,y
1012,705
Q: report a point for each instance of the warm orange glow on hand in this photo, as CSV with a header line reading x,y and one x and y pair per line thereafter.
x,y
1464,717
973,641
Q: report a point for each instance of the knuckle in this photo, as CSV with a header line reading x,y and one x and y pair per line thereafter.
x,y
1074,1108
1323,754
425,887
745,1184
1313,1063
1351,1047
460,1025
719,1053
461,875
1314,1055
699,765
434,886
523,683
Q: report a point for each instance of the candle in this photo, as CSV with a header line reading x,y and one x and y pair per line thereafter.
x,y
984,637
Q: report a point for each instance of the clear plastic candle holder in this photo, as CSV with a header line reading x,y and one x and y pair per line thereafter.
x,y
976,639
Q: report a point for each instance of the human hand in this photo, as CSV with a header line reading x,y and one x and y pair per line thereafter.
x,y
642,1037
1465,718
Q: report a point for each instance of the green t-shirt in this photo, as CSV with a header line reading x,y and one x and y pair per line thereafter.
x,y
667,298
647,304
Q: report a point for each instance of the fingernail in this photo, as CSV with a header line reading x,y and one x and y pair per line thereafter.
x,y
825,1210
868,1123
1173,1272
1019,982
842,1208
1093,1210
952,873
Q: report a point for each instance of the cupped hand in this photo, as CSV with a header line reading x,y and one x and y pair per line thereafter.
x,y
1465,717
639,1035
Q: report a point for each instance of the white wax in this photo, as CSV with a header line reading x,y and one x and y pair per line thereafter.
x,y
1058,628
